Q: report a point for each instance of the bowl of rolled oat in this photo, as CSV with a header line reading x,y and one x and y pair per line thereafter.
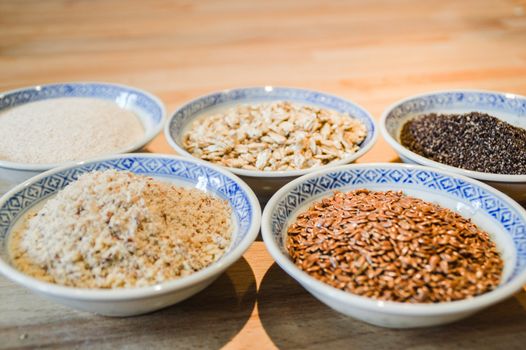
x,y
479,134
271,135
398,245
125,235
46,126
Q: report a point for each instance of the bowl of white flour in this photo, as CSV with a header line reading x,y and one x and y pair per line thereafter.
x,y
46,126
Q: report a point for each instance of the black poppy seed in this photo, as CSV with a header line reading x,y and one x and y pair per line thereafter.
x,y
472,141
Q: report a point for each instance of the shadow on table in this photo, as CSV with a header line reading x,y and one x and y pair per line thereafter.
x,y
294,319
207,320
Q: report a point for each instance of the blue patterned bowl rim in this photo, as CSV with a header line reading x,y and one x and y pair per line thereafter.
x,y
224,184
185,114
151,107
480,100
510,215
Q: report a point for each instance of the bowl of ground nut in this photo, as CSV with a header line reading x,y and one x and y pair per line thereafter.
x,y
126,234
480,134
398,245
271,135
46,126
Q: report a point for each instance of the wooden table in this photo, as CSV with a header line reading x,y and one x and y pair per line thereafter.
x,y
371,52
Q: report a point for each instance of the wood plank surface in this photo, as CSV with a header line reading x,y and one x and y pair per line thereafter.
x,y
373,52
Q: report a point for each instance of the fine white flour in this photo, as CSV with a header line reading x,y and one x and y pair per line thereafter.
x,y
66,129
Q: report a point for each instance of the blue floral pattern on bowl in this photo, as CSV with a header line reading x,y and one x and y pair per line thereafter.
x,y
95,90
201,176
505,106
399,178
262,94
466,100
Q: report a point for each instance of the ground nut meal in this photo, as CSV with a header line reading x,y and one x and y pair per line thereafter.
x,y
115,229
274,136
390,246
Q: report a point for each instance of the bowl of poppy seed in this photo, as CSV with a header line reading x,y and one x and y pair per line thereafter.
x,y
398,245
479,134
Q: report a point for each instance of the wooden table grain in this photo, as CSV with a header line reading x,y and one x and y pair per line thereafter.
x,y
371,52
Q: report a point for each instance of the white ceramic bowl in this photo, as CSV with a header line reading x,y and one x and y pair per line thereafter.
x,y
491,210
147,107
266,183
507,107
134,301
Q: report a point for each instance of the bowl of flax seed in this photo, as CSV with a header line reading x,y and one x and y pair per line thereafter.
x,y
398,245
479,134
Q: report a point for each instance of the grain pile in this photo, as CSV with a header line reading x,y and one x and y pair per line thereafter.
x,y
66,129
389,246
274,136
115,229
472,141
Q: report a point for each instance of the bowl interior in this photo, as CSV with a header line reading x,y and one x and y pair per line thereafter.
x,y
176,170
507,107
503,219
209,104
147,107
